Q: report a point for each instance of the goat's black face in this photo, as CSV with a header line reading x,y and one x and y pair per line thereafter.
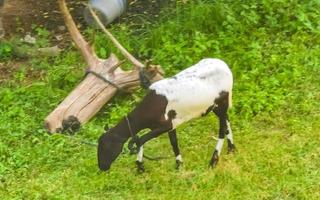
x,y
108,151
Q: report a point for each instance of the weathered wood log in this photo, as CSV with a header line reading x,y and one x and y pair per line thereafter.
x,y
93,92
89,97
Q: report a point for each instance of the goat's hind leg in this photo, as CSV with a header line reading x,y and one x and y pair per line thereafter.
x,y
221,112
215,156
174,143
231,147
225,129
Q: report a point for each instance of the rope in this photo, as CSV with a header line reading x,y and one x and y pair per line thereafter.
x,y
155,158
134,139
145,81
88,143
104,79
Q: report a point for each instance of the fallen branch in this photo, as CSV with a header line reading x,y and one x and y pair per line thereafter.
x,y
125,53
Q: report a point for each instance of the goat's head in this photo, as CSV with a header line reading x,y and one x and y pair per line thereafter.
x,y
109,148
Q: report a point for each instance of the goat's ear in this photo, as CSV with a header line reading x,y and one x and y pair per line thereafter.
x,y
106,127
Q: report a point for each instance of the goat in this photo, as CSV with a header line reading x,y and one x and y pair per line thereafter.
x,y
196,91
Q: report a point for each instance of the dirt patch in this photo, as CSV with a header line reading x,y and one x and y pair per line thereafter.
x,y
20,17
6,72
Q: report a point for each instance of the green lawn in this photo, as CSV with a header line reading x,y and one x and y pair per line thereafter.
x,y
273,49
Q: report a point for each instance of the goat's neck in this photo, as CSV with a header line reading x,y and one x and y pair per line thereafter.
x,y
122,128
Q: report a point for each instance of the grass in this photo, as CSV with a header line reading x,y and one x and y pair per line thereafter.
x,y
273,50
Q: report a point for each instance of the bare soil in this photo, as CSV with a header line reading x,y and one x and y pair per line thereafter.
x,y
21,16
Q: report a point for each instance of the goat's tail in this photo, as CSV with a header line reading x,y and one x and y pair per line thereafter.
x,y
230,98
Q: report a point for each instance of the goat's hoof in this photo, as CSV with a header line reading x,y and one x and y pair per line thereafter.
x,y
140,167
214,159
231,148
178,164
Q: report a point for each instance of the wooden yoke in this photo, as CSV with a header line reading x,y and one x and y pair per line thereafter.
x,y
93,92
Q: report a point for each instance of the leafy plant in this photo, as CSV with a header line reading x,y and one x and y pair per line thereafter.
x,y
6,50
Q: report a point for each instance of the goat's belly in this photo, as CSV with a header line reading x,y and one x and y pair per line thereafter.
x,y
182,119
186,112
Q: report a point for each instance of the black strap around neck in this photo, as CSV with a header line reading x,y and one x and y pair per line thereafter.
x,y
134,139
129,126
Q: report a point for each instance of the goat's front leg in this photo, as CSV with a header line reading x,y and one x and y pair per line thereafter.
x,y
174,143
139,161
142,140
153,134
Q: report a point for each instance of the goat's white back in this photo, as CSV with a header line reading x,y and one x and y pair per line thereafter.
x,y
192,91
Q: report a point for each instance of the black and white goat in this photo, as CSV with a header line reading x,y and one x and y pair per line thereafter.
x,y
196,91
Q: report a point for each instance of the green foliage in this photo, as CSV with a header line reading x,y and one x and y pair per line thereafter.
x,y
19,49
273,50
6,50
42,36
